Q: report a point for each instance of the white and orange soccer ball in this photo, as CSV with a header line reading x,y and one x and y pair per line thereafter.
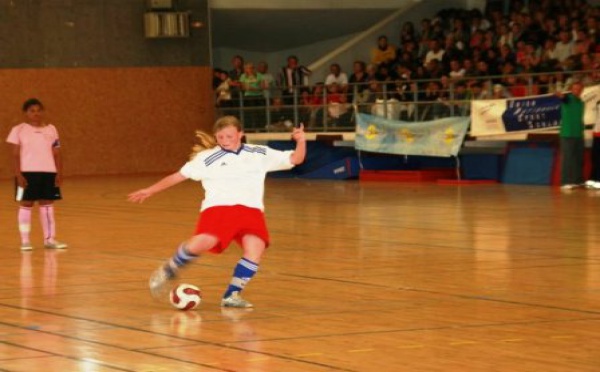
x,y
185,297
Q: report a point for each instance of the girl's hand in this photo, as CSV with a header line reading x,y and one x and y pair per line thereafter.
x,y
58,180
139,196
298,133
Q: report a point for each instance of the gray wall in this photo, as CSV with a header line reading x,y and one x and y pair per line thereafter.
x,y
94,33
360,51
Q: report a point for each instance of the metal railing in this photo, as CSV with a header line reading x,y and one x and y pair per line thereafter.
x,y
277,110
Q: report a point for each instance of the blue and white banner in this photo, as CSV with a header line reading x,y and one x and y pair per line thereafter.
x,y
502,116
442,137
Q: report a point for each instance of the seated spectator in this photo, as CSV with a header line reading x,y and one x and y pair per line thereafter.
x,y
334,93
478,91
493,59
336,76
405,58
460,31
410,48
499,92
435,52
550,28
340,113
520,52
459,104
223,94
403,90
237,62
533,55
431,106
358,81
549,57
543,83
483,71
583,43
508,69
434,69
477,39
489,40
505,37
591,25
516,86
384,53
469,67
457,72
386,108
371,71
451,51
564,47
370,96
384,76
425,35
217,80
516,34
407,33
281,117
318,96
506,55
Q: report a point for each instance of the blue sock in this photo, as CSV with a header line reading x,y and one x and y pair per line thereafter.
x,y
181,258
243,272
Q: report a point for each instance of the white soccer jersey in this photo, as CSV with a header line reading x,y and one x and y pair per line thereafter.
x,y
231,178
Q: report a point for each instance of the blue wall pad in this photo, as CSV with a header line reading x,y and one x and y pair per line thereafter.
x,y
344,169
481,166
372,161
318,155
529,166
321,155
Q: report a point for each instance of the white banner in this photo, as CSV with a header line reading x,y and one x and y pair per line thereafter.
x,y
527,114
590,95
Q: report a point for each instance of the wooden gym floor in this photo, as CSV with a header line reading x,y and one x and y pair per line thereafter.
x,y
359,277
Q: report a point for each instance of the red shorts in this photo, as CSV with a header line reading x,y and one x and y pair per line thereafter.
x,y
229,223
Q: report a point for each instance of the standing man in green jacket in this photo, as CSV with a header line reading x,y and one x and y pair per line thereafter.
x,y
571,136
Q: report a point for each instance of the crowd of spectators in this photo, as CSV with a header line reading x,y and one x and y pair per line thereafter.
x,y
434,69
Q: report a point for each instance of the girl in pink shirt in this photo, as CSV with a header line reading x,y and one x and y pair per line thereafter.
x,y
35,149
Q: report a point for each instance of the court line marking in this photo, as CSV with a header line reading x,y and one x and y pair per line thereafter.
x,y
458,343
561,337
360,350
308,354
53,354
145,351
415,346
462,296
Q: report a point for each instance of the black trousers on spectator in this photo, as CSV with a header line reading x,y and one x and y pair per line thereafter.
x,y
595,159
254,112
572,150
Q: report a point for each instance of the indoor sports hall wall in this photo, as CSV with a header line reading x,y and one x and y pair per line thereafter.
x,y
122,102
113,120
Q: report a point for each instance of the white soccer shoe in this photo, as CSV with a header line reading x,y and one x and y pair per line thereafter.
x,y
235,300
158,281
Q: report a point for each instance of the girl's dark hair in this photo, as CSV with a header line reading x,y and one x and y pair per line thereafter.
x,y
32,102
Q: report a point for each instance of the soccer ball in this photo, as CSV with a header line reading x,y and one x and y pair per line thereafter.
x,y
185,297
